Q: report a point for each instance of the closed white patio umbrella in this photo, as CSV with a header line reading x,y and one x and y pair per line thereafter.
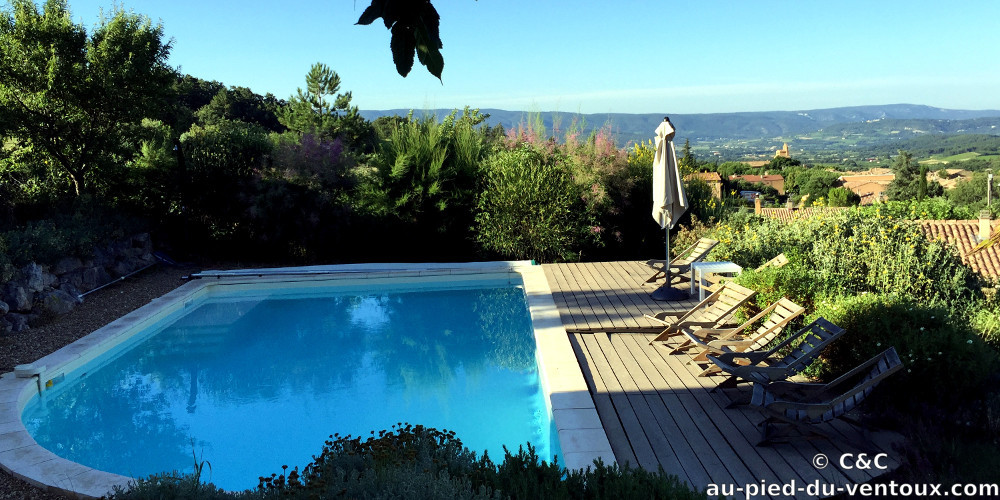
x,y
669,200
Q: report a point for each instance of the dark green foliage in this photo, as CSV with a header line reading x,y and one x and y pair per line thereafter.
x,y
242,104
422,188
189,94
76,101
627,229
816,182
848,252
221,162
782,162
74,234
930,209
529,208
175,486
842,197
322,111
416,462
946,362
906,184
729,168
687,163
971,192
414,28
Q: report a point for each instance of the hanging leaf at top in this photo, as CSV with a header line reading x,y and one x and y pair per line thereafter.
x,y
413,25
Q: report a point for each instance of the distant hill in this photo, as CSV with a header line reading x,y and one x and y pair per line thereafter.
x,y
775,125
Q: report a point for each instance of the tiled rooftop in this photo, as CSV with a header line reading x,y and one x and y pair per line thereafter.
x,y
758,178
963,234
786,214
705,176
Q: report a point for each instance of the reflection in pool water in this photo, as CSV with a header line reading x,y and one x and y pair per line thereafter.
x,y
251,385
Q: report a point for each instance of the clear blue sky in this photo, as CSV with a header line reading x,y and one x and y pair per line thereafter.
x,y
662,56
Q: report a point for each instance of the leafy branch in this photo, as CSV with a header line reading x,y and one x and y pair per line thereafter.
x,y
414,28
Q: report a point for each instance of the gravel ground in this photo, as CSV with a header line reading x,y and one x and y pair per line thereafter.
x,y
98,309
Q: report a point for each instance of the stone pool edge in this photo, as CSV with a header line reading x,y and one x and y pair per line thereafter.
x,y
582,437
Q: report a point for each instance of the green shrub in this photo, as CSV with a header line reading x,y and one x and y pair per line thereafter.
x,y
985,318
175,486
939,208
842,197
529,208
849,252
794,280
71,235
423,463
945,361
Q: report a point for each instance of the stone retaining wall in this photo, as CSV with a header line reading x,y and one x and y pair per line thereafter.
x,y
39,291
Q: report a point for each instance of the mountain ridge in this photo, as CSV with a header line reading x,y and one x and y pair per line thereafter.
x,y
635,127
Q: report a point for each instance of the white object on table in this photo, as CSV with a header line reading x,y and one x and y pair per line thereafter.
x,y
698,270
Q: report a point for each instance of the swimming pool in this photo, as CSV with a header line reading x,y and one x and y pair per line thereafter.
x,y
197,389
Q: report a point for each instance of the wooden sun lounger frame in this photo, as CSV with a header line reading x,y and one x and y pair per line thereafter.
x,y
764,367
709,313
798,406
681,265
721,340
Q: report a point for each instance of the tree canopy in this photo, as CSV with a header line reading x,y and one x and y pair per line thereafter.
x,y
72,102
321,110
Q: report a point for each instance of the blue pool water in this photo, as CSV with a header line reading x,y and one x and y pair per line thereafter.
x,y
250,382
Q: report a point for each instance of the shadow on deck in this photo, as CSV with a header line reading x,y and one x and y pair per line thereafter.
x,y
657,412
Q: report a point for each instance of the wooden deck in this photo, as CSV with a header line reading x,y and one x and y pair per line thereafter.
x,y
657,412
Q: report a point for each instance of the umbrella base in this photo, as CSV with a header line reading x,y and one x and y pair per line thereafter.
x,y
666,293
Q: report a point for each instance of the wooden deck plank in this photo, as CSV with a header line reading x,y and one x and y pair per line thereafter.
x,y
654,433
749,456
785,466
595,314
656,410
605,408
795,453
570,311
597,296
619,292
691,426
628,415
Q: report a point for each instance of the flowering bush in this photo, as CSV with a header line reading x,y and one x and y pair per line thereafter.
x,y
847,252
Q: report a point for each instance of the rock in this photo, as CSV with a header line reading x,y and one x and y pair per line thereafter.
x,y
103,257
72,291
18,298
143,241
18,322
49,280
57,302
74,278
33,279
89,278
67,265
4,308
6,327
121,268
102,276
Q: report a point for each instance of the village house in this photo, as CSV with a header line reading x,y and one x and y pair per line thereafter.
x,y
713,179
774,180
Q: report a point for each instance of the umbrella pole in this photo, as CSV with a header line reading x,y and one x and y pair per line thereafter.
x,y
667,293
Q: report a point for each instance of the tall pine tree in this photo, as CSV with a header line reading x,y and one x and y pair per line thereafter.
x,y
906,185
320,110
